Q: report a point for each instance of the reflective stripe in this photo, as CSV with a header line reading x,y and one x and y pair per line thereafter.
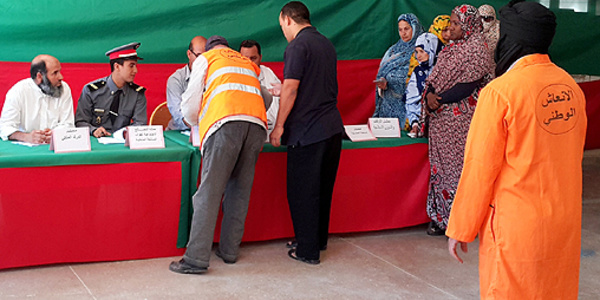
x,y
226,70
228,87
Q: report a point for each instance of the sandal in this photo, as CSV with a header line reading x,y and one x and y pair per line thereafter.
x,y
434,230
291,244
294,245
293,255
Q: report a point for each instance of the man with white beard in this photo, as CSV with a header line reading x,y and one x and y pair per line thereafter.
x,y
36,105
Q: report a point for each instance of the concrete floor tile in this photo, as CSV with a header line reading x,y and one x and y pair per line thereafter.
x,y
591,216
426,258
263,272
589,274
46,282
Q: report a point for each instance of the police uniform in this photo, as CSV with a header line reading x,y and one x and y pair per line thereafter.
x,y
94,106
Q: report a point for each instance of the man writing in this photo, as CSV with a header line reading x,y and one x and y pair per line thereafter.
x,y
36,105
224,99
521,184
178,82
113,102
310,124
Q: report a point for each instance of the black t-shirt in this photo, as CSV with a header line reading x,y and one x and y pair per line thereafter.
x,y
311,58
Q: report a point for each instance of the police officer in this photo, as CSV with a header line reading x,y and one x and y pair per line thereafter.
x,y
113,102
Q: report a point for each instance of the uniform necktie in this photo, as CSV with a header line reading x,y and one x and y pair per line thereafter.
x,y
114,106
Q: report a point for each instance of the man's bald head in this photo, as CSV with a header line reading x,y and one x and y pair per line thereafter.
x,y
40,64
196,48
45,71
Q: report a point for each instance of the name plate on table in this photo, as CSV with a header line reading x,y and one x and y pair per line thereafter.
x,y
195,136
385,127
359,133
145,137
70,140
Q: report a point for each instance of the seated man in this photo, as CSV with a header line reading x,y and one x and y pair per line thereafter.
x,y
113,102
267,78
178,81
36,105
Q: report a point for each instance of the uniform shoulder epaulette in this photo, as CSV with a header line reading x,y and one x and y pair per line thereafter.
x,y
94,86
137,88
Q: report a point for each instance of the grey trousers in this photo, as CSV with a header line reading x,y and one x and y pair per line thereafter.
x,y
228,161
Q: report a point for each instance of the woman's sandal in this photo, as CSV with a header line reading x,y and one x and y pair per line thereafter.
x,y
294,245
434,230
293,255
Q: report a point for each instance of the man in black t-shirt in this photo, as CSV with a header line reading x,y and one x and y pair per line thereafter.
x,y
310,124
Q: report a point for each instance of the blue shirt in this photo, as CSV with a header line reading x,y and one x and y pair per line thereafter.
x,y
176,85
311,58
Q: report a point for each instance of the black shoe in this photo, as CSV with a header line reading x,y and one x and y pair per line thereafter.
x,y
292,254
182,267
434,230
294,245
227,261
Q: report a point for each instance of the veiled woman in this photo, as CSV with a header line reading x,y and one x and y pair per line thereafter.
x,y
394,70
463,68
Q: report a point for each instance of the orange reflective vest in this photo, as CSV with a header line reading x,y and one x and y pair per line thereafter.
x,y
231,89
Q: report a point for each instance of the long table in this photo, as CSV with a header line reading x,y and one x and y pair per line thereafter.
x,y
380,185
114,203
108,204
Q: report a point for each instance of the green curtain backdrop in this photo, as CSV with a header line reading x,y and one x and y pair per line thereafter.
x,y
82,30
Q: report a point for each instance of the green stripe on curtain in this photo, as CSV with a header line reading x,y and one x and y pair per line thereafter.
x,y
82,30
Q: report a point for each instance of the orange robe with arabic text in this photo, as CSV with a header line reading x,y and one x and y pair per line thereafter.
x,y
520,188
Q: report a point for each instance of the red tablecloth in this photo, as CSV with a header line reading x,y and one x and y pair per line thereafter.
x,y
376,189
592,97
82,213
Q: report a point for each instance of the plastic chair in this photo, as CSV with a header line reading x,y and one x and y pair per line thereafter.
x,y
161,116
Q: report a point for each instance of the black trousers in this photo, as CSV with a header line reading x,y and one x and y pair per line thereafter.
x,y
311,172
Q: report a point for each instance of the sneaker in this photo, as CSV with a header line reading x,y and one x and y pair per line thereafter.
x,y
227,261
183,267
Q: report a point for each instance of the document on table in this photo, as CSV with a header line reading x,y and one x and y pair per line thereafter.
x,y
26,144
116,138
359,133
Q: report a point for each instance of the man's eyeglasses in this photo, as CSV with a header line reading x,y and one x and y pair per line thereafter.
x,y
195,54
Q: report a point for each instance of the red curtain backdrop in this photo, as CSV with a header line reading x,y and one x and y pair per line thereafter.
x,y
356,99
592,96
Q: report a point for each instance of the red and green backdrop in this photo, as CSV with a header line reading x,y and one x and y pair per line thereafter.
x,y
79,32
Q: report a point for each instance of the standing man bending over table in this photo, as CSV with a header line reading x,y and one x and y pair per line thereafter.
x,y
224,99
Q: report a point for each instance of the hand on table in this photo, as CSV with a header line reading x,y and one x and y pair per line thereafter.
x,y
100,132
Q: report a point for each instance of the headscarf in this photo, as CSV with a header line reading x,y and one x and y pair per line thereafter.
x,y
440,23
464,60
394,66
527,28
429,43
491,29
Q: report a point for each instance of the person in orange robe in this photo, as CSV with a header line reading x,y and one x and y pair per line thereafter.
x,y
521,184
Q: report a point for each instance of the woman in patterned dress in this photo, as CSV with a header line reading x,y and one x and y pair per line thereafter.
x,y
463,68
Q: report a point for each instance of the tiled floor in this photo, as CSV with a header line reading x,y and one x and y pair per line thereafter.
x,y
396,264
